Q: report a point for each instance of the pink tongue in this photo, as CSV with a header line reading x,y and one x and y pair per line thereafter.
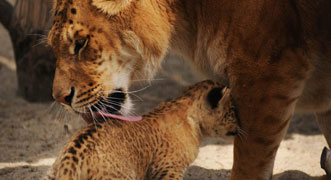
x,y
131,119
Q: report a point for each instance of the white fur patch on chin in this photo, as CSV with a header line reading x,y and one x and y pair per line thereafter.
x,y
122,79
111,7
126,108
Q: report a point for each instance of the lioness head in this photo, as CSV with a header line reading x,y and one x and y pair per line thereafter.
x,y
102,46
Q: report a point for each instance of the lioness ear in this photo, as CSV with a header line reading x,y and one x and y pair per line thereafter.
x,y
111,7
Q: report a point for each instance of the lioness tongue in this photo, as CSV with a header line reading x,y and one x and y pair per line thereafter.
x,y
131,119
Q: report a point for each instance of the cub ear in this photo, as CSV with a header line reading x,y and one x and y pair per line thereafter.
x,y
214,96
111,7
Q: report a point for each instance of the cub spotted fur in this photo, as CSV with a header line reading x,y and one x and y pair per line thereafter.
x,y
160,146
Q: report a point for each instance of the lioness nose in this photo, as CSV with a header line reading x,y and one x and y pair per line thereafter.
x,y
66,98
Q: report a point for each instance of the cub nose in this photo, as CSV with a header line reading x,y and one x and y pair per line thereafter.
x,y
66,98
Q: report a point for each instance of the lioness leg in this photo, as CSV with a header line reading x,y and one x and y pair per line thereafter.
x,y
266,93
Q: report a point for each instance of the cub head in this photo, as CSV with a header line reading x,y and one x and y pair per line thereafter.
x,y
102,46
214,111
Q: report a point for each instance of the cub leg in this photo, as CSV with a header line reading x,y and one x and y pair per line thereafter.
x,y
172,170
266,92
166,173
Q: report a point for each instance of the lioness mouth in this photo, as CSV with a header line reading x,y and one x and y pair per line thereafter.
x,y
109,108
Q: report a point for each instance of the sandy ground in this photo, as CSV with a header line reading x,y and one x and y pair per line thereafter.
x,y
31,135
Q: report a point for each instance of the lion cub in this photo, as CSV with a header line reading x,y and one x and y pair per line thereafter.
x,y
161,146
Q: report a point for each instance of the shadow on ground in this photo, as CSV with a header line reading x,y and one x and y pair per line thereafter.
x,y
23,172
304,124
199,173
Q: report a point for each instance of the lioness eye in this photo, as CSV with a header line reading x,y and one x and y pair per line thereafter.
x,y
79,45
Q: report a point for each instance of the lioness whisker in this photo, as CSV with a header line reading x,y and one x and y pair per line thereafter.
x,y
93,118
144,80
140,99
113,103
130,113
99,110
113,98
135,91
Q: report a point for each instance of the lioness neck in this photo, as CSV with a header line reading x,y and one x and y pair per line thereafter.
x,y
195,25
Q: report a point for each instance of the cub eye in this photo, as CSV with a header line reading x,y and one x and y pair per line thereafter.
x,y
80,44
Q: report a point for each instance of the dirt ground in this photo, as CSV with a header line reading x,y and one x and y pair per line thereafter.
x,y
31,135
